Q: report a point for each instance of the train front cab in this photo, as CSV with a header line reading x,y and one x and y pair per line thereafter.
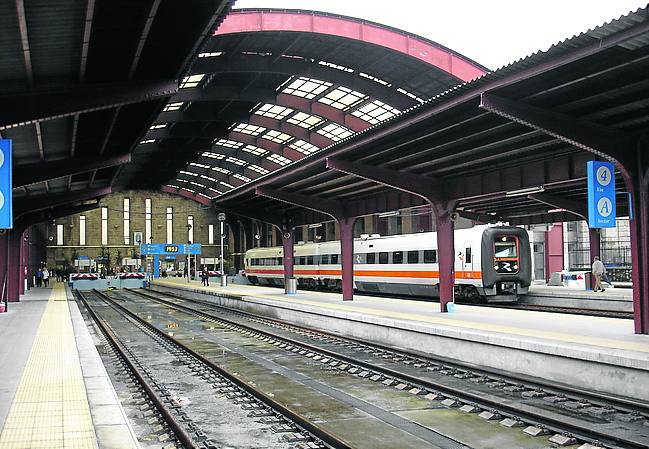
x,y
506,263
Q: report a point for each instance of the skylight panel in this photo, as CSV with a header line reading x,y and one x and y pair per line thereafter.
x,y
189,190
209,178
375,79
241,177
304,120
181,180
235,161
173,106
258,169
335,132
191,80
218,192
142,142
342,98
222,170
246,128
190,173
375,112
336,66
303,147
229,186
213,155
228,143
280,160
196,164
198,184
273,111
277,136
203,195
210,54
254,150
410,94
158,126
308,88
173,186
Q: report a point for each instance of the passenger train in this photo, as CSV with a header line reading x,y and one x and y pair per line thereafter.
x,y
492,263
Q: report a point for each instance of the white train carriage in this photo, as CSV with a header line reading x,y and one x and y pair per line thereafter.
x,y
491,262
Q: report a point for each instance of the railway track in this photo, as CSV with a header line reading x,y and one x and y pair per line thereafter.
x,y
298,431
570,415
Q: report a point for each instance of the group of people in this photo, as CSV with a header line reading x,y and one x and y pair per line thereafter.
x,y
43,277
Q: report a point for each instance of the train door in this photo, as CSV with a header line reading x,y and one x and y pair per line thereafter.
x,y
466,259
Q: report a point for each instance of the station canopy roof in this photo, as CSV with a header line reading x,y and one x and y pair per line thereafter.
x,y
272,87
511,145
82,80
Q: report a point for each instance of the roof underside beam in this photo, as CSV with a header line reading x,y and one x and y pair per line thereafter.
x,y
606,142
33,218
575,207
332,208
29,204
33,173
29,107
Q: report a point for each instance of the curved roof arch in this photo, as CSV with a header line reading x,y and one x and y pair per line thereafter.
x,y
278,85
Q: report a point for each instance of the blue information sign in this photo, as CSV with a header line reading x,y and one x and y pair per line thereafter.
x,y
6,203
169,249
601,194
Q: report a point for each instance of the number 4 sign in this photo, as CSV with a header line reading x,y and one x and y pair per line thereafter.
x,y
601,194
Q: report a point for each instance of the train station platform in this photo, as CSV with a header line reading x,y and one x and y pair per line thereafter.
x,y
55,392
612,299
594,353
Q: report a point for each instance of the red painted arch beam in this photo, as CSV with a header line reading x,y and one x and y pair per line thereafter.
x,y
186,194
248,21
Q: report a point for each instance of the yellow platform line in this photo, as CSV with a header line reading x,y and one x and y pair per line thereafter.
x,y
50,409
443,320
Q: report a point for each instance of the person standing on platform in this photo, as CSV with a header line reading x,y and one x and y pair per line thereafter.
x,y
39,278
46,277
205,277
598,271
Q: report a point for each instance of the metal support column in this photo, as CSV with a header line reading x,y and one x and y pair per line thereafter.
x,y
4,272
594,243
13,266
287,246
23,263
639,225
445,259
347,256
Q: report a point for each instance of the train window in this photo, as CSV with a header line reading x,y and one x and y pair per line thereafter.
x,y
301,260
309,260
397,257
370,258
383,257
413,256
359,258
278,261
324,259
430,256
334,259
467,255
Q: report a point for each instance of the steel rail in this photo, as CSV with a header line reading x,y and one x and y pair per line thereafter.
x,y
625,404
180,433
300,420
557,425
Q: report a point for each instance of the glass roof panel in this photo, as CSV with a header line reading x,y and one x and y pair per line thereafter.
x,y
277,136
281,160
229,186
246,128
308,88
142,142
222,170
210,54
235,161
376,111
213,155
335,132
241,177
190,173
273,111
174,106
158,126
254,150
228,143
209,178
191,80
305,120
196,164
375,79
303,146
336,66
342,98
258,169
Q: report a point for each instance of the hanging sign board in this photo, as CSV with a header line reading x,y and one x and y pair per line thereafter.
x,y
6,203
601,194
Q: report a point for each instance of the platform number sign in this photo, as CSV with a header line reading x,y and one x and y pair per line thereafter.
x,y
601,194
6,206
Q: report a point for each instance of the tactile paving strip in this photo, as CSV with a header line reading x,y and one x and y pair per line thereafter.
x,y
50,409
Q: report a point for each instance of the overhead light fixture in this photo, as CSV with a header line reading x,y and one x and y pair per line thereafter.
x,y
389,214
526,191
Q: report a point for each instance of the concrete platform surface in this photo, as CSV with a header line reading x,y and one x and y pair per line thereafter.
x,y
611,294
56,390
590,352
